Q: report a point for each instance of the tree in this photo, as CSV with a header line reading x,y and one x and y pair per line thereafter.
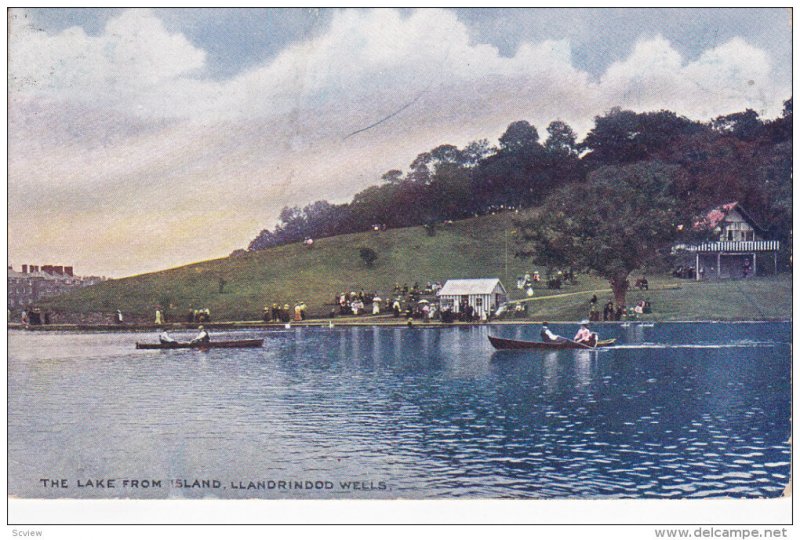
x,y
622,136
519,135
561,139
476,151
622,219
393,176
745,125
368,255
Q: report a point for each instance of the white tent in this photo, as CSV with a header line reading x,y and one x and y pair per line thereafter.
x,y
484,295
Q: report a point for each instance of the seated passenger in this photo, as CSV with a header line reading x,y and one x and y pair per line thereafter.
x,y
165,338
548,336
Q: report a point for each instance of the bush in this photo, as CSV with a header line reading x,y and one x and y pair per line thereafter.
x,y
368,255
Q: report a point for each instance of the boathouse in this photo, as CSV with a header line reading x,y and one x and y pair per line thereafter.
x,y
484,295
739,246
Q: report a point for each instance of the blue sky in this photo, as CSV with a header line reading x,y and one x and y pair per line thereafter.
x,y
238,38
127,122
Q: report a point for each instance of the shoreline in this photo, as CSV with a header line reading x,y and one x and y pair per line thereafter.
x,y
325,323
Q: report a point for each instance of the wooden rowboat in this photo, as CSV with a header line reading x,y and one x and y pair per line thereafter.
x,y
238,344
513,344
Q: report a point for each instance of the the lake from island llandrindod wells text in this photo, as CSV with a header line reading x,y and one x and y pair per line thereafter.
x,y
675,410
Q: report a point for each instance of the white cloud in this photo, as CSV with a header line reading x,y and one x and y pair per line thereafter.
x,y
134,56
126,123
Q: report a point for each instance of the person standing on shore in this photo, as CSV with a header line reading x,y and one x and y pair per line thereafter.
x,y
159,316
608,311
118,317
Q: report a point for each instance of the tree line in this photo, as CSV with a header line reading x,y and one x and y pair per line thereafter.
x,y
736,157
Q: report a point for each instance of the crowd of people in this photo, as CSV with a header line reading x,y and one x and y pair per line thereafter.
x,y
360,303
403,301
35,316
618,312
284,313
553,281
195,315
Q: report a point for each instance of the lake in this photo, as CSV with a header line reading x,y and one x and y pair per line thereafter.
x,y
676,410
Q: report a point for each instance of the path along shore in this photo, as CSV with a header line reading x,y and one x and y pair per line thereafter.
x,y
325,323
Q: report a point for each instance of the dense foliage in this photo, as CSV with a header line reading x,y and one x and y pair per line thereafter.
x,y
736,157
620,220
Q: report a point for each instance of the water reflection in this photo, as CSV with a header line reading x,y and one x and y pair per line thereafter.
x,y
431,412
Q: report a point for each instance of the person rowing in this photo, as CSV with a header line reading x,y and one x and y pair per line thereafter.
x,y
585,336
165,338
202,337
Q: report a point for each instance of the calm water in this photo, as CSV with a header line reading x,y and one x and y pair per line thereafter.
x,y
676,411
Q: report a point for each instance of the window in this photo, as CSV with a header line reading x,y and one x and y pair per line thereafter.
x,y
747,236
479,302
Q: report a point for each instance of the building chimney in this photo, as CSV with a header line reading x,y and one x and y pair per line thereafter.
x,y
47,269
68,271
34,268
59,270
24,268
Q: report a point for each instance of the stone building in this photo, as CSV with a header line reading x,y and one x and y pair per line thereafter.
x,y
34,283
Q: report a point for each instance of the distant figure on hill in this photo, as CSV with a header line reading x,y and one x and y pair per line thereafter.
x,y
118,317
159,316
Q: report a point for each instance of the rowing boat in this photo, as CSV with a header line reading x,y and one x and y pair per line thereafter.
x,y
238,344
512,344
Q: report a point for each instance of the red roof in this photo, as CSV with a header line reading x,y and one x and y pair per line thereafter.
x,y
715,216
718,215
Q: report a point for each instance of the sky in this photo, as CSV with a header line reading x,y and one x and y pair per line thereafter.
x,y
144,139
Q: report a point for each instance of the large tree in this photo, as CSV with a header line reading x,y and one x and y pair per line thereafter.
x,y
620,220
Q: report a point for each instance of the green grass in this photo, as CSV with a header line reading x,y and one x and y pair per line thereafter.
x,y
288,274
681,300
466,249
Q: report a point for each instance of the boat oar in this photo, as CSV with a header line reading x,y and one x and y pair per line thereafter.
x,y
583,345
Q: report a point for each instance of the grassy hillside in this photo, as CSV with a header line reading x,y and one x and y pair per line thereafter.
x,y
470,248
680,299
288,274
